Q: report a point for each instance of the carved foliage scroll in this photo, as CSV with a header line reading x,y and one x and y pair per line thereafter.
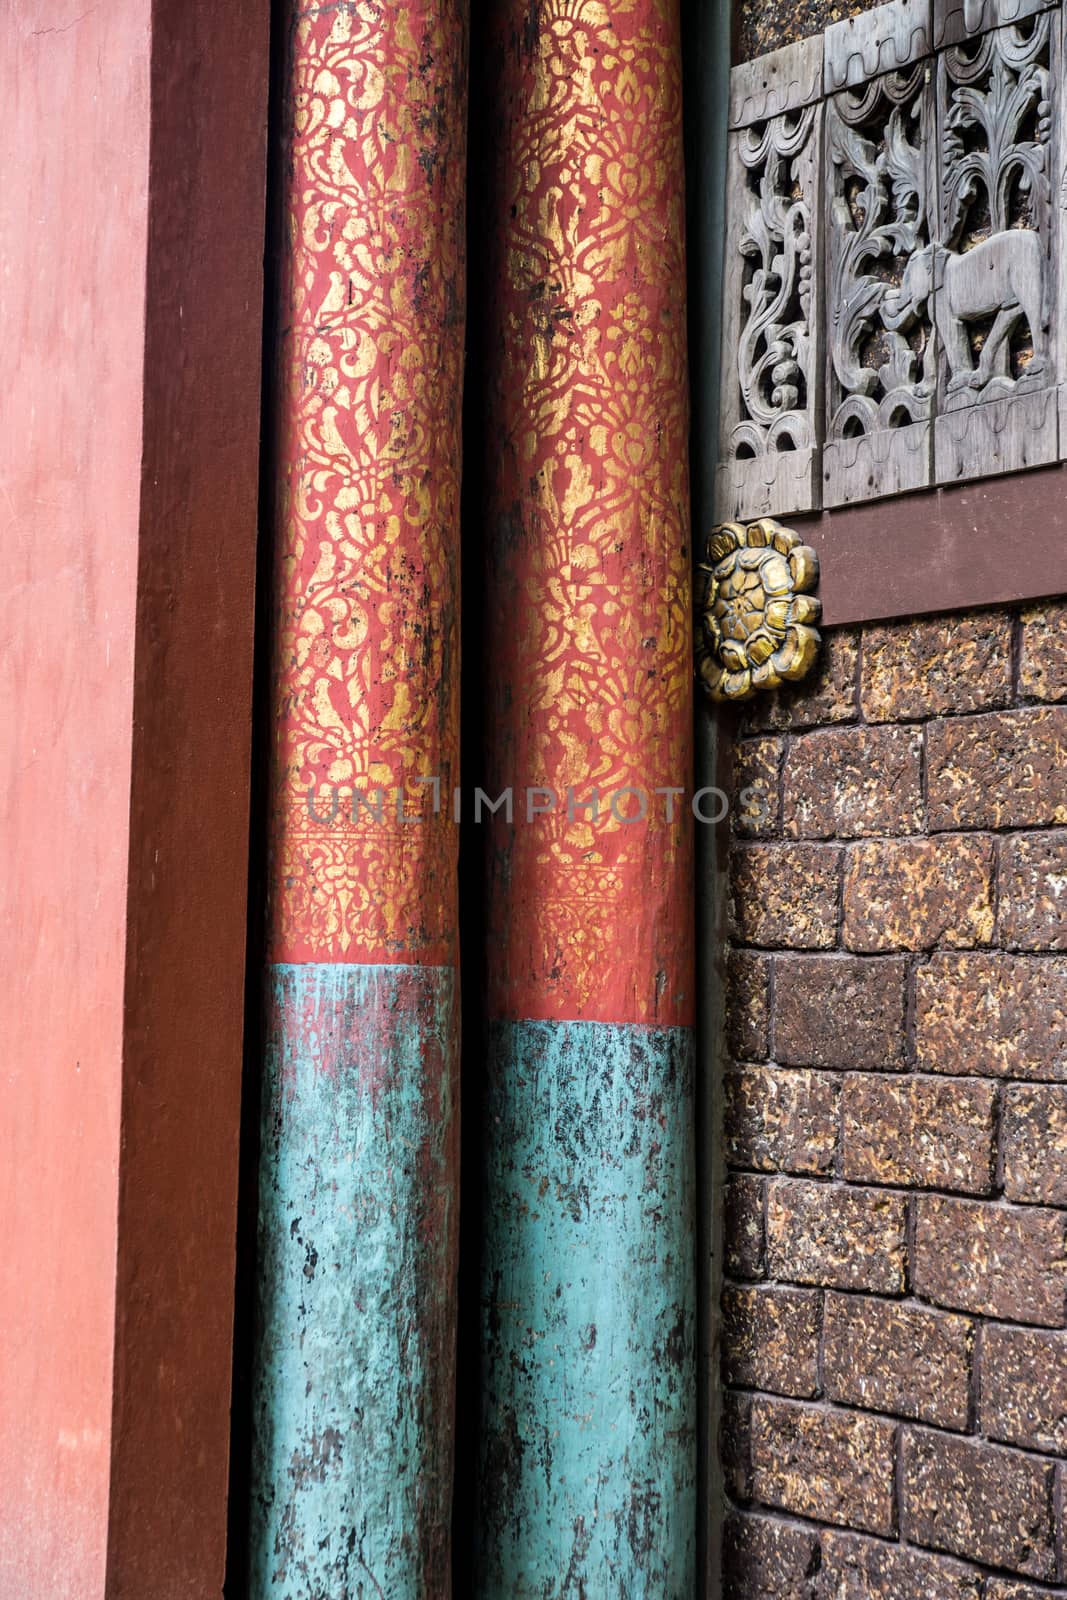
x,y
772,348
923,191
881,370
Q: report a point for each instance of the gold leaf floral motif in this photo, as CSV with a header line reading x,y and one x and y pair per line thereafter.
x,y
366,588
756,620
586,512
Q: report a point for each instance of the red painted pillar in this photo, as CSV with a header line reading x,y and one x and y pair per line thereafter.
x,y
353,1398
588,1403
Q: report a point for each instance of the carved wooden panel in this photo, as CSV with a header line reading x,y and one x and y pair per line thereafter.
x,y
881,366
923,189
991,269
955,20
782,80
772,346
884,40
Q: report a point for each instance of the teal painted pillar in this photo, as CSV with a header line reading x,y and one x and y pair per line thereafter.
x,y
589,1400
353,1403
587,1473
354,1400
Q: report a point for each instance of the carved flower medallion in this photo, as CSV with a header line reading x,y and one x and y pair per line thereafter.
x,y
756,616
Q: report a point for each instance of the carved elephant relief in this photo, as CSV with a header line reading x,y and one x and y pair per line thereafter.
x,y
1002,277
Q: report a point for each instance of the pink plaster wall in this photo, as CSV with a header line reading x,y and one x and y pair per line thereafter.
x,y
74,93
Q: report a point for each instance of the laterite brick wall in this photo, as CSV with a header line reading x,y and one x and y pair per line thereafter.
x,y
894,1316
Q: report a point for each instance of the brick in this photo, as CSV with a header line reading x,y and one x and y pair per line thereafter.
x,y
1035,1144
824,1233
936,1133
743,1246
1033,891
1003,1016
785,895
748,979
913,894
1024,1388
770,1339
855,1568
781,1121
1004,770
833,1465
757,808
828,695
1043,657
767,1559
937,665
999,1261
978,1500
852,782
735,1439
887,1356
840,1011
1008,1589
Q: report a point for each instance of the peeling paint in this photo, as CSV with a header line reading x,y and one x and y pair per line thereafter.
x,y
588,1447
356,1293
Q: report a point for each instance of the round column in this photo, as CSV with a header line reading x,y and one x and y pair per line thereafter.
x,y
354,1375
588,1403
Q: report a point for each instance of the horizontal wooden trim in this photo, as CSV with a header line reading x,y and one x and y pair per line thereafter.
x,y
950,549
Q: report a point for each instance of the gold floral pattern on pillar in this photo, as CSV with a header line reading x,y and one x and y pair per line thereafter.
x,y
366,587
756,613
587,503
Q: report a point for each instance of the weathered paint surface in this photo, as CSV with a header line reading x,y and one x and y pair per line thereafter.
x,y
357,1273
353,1401
588,1309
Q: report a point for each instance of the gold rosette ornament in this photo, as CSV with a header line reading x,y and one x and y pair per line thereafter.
x,y
756,618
